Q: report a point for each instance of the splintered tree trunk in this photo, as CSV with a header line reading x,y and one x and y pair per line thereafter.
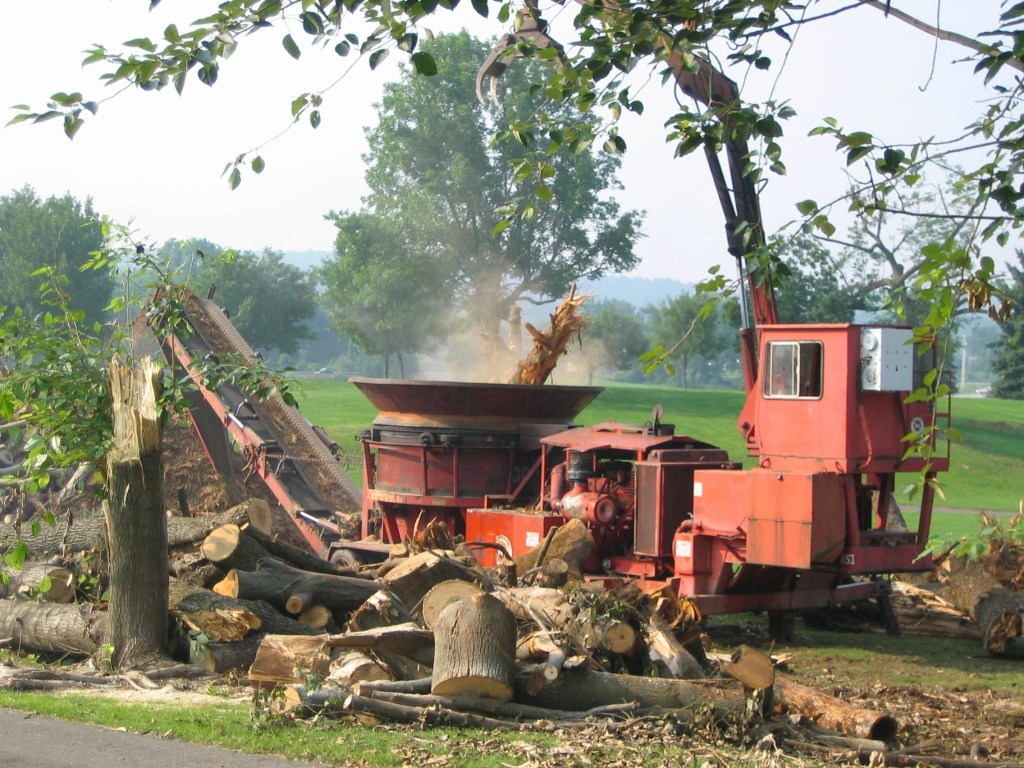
x,y
136,524
474,649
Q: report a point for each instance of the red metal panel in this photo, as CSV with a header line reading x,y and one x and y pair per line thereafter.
x,y
796,519
516,530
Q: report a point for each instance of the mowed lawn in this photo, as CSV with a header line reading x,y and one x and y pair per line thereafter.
x,y
986,467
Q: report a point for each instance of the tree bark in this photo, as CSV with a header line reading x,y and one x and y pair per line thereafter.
x,y
293,590
77,630
136,522
474,649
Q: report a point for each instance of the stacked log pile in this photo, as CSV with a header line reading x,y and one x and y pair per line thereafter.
x,y
426,636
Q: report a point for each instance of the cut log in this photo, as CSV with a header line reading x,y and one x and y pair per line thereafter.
x,y
407,640
541,647
548,608
276,524
832,713
921,611
444,594
554,573
59,583
225,618
287,659
754,669
578,685
293,590
572,543
228,547
76,630
82,534
667,654
413,577
354,667
220,658
474,649
999,614
382,610
317,616
295,556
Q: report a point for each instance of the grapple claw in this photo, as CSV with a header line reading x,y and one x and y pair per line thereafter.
x,y
494,67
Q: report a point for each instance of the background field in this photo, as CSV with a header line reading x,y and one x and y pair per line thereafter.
x,y
986,473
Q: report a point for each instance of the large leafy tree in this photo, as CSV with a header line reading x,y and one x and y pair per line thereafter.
x,y
57,235
615,338
433,170
380,290
688,327
269,301
1008,364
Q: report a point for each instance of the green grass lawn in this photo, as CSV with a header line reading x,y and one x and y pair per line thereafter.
x,y
986,468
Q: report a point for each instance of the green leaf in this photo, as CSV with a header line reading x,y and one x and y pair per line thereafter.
x,y
234,179
480,6
424,63
314,118
290,46
258,165
207,73
807,207
142,42
312,24
377,57
856,154
343,48
72,123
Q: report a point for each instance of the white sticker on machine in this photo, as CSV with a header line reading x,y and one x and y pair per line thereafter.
x,y
532,538
684,548
698,488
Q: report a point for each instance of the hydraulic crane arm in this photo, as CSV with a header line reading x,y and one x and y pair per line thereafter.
x,y
737,194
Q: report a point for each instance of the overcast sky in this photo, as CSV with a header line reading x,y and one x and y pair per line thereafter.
x,y
156,158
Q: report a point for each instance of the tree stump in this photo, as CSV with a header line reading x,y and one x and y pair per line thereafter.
x,y
474,649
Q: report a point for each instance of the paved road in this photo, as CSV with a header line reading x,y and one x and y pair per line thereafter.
x,y
34,741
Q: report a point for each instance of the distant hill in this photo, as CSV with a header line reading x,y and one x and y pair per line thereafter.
x,y
305,259
638,291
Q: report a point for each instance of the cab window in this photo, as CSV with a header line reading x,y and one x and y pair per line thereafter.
x,y
793,370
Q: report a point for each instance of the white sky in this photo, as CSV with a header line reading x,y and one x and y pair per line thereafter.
x,y
156,158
